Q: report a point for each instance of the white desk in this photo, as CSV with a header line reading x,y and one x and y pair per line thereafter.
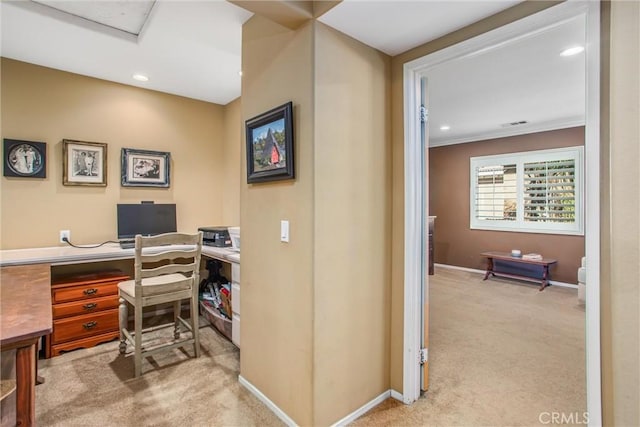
x,y
63,255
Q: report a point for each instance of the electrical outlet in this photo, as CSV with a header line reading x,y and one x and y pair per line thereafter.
x,y
65,234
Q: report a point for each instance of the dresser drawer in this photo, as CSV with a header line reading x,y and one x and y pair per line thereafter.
x,y
83,326
86,291
88,342
84,307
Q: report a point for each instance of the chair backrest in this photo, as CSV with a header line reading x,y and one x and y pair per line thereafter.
x,y
164,254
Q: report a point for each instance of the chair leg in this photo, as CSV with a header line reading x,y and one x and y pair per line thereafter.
x,y
138,340
176,323
122,323
195,324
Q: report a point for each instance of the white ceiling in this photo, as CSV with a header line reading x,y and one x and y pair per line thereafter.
x,y
524,80
192,48
187,48
395,26
479,95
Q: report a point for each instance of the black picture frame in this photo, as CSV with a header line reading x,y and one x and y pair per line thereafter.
x,y
269,139
145,168
25,159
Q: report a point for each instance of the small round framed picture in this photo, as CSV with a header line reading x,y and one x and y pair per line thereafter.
x,y
25,159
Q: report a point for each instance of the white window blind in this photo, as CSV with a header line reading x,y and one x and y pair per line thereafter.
x,y
549,191
536,191
496,192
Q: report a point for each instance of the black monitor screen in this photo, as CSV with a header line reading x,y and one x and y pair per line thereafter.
x,y
145,219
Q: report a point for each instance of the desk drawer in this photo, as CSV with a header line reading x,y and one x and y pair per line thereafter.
x,y
84,307
86,291
83,326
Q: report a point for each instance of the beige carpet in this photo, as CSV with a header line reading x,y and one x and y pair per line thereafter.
x,y
501,354
95,387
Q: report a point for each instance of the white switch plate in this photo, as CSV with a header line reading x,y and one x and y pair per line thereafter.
x,y
284,231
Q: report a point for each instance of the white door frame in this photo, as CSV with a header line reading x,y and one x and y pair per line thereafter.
x,y
415,170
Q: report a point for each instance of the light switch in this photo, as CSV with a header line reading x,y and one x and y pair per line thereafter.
x,y
284,231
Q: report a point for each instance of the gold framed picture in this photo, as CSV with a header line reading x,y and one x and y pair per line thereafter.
x,y
84,163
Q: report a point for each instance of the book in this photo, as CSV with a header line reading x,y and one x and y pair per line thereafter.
x,y
532,257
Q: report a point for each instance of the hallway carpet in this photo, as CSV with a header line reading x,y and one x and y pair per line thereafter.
x,y
501,354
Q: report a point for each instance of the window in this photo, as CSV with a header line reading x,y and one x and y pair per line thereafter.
x,y
535,192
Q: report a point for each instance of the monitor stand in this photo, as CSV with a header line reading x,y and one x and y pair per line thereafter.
x,y
127,244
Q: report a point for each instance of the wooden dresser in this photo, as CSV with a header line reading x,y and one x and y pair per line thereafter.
x,y
85,311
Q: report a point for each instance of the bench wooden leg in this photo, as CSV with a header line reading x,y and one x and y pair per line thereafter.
x,y
489,268
545,277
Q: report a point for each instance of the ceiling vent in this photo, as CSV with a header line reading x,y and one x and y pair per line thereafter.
x,y
520,123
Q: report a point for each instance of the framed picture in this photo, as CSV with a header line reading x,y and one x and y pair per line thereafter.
x,y
84,163
145,168
25,159
270,145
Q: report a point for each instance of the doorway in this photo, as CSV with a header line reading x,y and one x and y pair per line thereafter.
x,y
416,185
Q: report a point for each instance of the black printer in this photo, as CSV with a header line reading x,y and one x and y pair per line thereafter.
x,y
215,236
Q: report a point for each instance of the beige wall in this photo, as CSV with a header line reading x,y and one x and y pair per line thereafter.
x,y
277,278
231,161
352,223
315,325
620,232
449,195
41,104
397,122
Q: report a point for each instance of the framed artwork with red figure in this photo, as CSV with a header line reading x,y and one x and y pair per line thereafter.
x,y
270,145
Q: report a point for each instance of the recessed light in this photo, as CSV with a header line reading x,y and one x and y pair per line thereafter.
x,y
141,77
445,127
572,51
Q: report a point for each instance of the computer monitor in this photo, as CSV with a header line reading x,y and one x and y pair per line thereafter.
x,y
146,218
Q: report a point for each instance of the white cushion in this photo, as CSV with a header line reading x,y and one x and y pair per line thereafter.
x,y
582,275
158,285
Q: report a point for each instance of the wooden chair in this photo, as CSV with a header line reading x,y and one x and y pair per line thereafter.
x,y
163,274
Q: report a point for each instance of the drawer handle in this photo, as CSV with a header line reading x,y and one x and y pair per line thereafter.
x,y
90,291
90,325
90,306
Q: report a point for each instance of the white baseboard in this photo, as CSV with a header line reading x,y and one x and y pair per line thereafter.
x,y
473,270
397,396
363,409
288,421
563,284
264,399
455,267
